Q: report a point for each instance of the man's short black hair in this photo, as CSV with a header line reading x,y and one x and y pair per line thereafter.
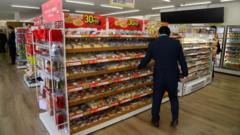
x,y
164,30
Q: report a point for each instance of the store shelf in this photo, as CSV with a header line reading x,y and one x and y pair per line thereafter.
x,y
22,67
106,94
108,36
117,80
198,64
195,48
102,49
95,61
29,84
108,106
114,119
73,76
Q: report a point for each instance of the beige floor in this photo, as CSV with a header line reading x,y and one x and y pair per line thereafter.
x,y
214,110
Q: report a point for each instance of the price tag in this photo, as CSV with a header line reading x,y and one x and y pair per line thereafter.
x,y
92,61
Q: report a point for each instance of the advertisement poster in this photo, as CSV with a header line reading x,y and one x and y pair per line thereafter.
x,y
152,27
85,21
123,3
52,11
125,24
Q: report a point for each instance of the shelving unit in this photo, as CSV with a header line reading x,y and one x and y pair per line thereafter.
x,y
90,80
197,42
232,49
20,45
221,38
30,78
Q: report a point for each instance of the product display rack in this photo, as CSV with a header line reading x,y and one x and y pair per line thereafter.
x,y
221,39
232,49
197,42
30,78
20,45
89,80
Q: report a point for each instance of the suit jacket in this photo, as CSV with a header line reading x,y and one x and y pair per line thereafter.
x,y
11,43
167,53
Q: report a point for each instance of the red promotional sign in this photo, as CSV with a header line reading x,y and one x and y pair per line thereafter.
x,y
125,24
85,21
52,11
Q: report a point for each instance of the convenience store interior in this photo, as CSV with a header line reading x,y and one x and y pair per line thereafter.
x,y
76,72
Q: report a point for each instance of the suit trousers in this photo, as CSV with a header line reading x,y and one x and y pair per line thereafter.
x,y
164,83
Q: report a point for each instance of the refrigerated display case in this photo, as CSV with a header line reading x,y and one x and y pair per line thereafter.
x,y
232,49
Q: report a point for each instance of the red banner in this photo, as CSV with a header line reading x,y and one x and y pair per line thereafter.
x,y
52,11
125,24
85,21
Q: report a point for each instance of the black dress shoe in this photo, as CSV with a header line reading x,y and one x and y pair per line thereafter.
x,y
174,124
155,124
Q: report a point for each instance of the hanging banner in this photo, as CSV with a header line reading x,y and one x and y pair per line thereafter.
x,y
125,24
85,21
52,11
123,3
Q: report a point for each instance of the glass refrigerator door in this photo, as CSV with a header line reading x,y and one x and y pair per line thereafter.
x,y
220,31
232,49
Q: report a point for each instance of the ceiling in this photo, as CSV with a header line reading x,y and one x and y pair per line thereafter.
x,y
7,12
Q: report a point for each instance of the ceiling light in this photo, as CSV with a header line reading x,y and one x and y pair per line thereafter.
x,y
80,2
137,17
226,0
195,3
165,7
166,0
123,12
84,12
109,6
24,6
65,10
153,15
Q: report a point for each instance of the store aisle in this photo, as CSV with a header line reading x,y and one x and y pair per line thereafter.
x,y
214,110
18,109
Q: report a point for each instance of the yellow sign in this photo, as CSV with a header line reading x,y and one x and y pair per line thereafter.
x,y
123,3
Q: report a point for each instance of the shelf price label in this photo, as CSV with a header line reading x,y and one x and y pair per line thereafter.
x,y
85,21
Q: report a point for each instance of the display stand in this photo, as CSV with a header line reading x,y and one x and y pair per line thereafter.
x,y
231,51
29,77
197,44
20,45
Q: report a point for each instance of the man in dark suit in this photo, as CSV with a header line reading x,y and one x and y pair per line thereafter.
x,y
12,45
166,52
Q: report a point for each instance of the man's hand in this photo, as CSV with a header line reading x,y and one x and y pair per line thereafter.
x,y
184,79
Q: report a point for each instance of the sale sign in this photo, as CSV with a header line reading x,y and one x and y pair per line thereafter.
x,y
85,21
125,24
52,11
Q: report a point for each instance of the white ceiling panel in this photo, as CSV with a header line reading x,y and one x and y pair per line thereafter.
x,y
143,5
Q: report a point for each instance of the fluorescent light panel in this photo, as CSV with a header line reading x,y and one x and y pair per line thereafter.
x,y
80,2
164,7
122,12
110,6
153,15
25,6
196,3
226,0
84,12
166,0
65,10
